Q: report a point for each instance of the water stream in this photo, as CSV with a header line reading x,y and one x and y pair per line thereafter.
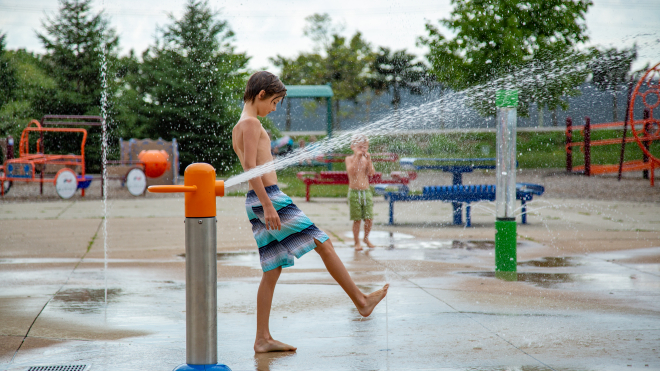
x,y
104,161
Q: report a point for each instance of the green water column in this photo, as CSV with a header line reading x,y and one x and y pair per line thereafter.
x,y
505,226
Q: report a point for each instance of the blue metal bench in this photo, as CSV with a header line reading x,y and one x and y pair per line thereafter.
x,y
456,166
459,194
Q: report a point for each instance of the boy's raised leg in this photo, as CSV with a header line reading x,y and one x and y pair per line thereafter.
x,y
365,304
264,342
367,229
356,234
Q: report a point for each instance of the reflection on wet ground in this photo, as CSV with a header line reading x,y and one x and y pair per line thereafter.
x,y
571,281
232,255
551,262
545,280
85,300
394,240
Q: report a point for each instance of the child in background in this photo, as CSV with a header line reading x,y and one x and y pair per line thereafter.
x,y
360,200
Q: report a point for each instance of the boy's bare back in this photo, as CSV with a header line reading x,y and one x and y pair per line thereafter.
x,y
252,146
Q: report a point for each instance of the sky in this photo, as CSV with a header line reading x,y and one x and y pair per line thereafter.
x,y
265,29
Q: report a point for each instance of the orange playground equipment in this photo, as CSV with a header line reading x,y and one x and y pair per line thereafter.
x,y
38,166
645,129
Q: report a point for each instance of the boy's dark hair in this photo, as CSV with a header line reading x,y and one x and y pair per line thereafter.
x,y
266,81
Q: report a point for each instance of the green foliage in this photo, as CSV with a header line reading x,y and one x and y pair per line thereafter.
x,y
397,71
610,67
75,42
345,63
189,87
31,81
511,40
610,70
8,80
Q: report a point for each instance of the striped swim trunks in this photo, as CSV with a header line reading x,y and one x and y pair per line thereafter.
x,y
277,248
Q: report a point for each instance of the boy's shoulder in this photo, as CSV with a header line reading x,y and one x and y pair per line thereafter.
x,y
248,123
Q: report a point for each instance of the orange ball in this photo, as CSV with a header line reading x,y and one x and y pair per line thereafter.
x,y
155,162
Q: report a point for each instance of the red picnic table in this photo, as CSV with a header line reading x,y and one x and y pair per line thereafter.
x,y
341,178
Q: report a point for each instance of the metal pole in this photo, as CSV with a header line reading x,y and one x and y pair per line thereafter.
x,y
505,196
287,125
569,148
201,292
329,101
587,146
645,157
625,129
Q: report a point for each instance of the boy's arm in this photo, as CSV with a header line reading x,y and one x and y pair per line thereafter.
x,y
251,135
350,168
370,165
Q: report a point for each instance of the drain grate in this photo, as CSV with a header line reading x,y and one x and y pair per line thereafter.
x,y
59,368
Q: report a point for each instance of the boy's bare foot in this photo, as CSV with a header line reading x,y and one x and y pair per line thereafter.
x,y
369,244
271,345
372,300
358,247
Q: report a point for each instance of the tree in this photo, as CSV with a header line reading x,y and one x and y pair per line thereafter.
x,y
344,63
610,68
31,83
76,43
8,79
189,86
528,45
397,71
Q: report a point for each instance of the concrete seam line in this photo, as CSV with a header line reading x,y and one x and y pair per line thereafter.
x,y
465,314
65,209
625,266
52,297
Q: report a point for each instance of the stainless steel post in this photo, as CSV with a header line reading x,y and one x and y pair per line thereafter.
x,y
505,199
201,292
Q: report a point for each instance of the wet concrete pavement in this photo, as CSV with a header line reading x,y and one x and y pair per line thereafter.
x,y
587,298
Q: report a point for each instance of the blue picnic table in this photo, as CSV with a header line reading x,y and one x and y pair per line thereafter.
x,y
465,165
457,193
456,166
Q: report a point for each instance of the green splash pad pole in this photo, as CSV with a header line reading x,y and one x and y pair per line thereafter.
x,y
505,226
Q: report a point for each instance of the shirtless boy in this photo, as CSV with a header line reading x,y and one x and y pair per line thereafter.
x,y
360,202
281,230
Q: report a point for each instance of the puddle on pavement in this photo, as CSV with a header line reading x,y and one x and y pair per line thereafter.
x,y
85,300
395,240
232,255
593,281
545,280
551,262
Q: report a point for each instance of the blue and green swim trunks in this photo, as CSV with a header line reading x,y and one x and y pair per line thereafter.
x,y
277,248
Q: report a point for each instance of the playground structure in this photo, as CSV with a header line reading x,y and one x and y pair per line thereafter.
x,y
38,167
341,177
645,130
142,162
145,162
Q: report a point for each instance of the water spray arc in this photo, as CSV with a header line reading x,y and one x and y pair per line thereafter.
x,y
200,188
505,198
